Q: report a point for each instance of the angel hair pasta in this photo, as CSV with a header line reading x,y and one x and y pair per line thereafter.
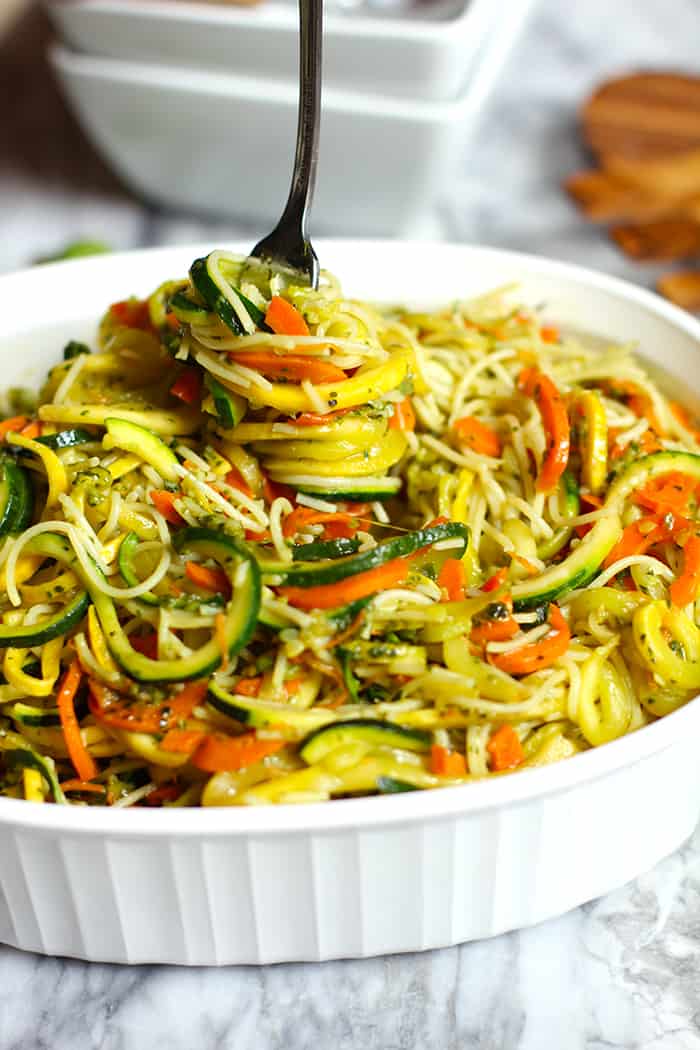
x,y
268,544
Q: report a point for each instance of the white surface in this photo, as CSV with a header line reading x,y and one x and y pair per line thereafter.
x,y
429,59
363,876
219,143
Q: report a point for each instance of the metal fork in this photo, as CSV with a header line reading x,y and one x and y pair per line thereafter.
x,y
289,244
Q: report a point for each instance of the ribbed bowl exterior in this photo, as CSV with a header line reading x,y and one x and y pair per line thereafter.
x,y
213,899
357,877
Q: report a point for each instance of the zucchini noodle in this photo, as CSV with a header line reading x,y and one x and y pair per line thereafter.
x,y
274,545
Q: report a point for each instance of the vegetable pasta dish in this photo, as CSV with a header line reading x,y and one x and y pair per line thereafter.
x,y
268,544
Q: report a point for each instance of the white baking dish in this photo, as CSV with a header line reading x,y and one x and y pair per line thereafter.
x,y
224,144
363,876
429,59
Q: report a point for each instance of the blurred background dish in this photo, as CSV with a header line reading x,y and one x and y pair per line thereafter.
x,y
399,48
223,144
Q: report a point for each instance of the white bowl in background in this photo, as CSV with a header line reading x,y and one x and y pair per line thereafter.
x,y
426,59
224,144
364,876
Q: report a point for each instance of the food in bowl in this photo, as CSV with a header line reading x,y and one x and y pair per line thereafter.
x,y
274,545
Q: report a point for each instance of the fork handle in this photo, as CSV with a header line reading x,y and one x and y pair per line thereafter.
x,y
289,241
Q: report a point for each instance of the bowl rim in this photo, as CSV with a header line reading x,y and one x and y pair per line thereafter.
x,y
371,811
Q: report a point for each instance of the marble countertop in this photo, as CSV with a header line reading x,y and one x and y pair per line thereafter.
x,y
623,972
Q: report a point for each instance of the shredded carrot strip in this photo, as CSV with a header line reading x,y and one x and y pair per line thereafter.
x,y
636,400
188,386
331,595
133,313
683,417
638,537
641,406
555,420
293,367
147,646
285,319
120,712
302,517
336,530
272,490
319,419
182,703
505,749
549,333
496,581
257,537
208,579
165,793
83,785
235,479
182,741
12,426
31,430
446,763
592,500
494,631
82,760
668,493
453,579
218,753
531,568
248,686
648,443
686,588
478,436
404,418
534,656
164,502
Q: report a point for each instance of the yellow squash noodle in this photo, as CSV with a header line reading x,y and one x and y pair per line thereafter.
x,y
605,703
15,660
668,643
373,460
364,386
55,471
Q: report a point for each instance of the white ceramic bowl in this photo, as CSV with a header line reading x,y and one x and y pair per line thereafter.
x,y
363,876
401,57
224,144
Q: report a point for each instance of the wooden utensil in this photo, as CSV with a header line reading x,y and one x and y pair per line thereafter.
x,y
645,132
643,116
682,288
